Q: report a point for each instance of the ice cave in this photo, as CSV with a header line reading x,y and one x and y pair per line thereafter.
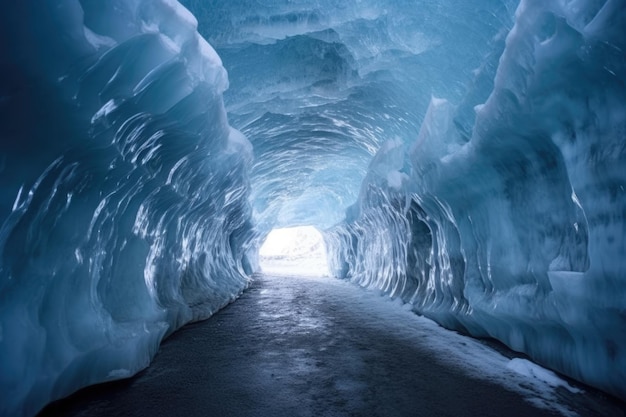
x,y
462,157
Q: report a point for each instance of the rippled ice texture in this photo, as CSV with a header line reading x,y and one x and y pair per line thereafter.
x,y
124,191
517,229
318,85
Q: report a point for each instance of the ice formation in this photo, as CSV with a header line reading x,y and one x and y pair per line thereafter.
x,y
466,157
514,229
129,188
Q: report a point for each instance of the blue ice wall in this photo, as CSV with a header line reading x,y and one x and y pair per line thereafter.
x,y
124,191
516,232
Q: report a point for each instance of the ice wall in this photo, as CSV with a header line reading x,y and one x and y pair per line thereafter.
x,y
518,231
123,203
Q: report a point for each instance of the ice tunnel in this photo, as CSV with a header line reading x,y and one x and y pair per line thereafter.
x,y
465,157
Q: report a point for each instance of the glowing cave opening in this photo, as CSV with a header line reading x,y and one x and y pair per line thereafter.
x,y
297,251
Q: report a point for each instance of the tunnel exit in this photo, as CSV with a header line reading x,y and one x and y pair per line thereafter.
x,y
296,251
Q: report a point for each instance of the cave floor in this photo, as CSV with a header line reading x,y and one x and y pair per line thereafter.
x,y
323,347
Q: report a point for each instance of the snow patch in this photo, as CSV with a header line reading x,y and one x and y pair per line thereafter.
x,y
542,375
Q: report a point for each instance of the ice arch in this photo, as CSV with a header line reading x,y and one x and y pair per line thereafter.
x,y
466,157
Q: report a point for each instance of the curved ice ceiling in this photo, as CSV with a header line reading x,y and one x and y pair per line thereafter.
x,y
464,156
318,86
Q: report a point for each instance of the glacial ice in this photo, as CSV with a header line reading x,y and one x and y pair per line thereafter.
x,y
465,157
130,192
517,231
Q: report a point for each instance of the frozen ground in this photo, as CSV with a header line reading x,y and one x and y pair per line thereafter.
x,y
323,347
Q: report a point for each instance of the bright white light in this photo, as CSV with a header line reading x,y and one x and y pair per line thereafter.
x,y
298,251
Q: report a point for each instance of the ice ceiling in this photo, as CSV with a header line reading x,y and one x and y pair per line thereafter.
x,y
466,157
318,86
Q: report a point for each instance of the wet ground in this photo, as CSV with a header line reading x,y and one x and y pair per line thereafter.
x,y
322,347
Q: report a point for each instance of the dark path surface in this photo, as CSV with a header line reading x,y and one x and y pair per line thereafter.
x,y
292,347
